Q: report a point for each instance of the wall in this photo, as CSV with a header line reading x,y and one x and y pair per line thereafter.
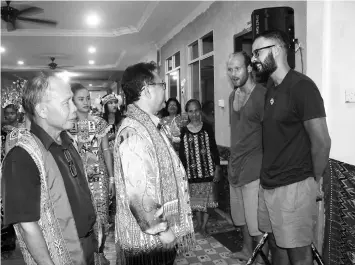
x,y
226,19
150,56
330,27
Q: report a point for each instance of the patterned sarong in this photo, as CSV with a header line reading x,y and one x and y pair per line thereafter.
x,y
339,243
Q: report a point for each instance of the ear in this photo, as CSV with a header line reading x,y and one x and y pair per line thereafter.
x,y
146,92
41,110
277,51
250,68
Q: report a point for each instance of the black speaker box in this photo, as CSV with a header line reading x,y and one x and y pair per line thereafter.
x,y
281,18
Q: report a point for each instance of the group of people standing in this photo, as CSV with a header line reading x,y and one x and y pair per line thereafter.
x,y
62,170
83,157
279,151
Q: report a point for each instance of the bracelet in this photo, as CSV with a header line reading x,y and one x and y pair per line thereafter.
x,y
105,149
112,180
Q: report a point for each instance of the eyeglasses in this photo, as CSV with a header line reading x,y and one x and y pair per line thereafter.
x,y
255,53
70,161
163,84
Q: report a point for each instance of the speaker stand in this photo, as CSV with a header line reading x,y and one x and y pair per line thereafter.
x,y
258,251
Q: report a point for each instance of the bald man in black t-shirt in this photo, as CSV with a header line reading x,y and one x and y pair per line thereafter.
x,y
296,146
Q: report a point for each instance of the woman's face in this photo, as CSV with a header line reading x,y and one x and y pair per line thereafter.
x,y
112,106
172,108
10,115
82,100
194,112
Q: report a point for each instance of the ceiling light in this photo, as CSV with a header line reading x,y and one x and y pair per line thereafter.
x,y
93,20
65,75
20,62
2,49
90,84
91,62
92,49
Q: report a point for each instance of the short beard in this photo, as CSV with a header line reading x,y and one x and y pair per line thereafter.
x,y
268,67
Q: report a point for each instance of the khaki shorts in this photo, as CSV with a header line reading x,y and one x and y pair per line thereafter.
x,y
244,206
289,213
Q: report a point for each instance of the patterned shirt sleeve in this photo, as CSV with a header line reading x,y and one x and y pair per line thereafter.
x,y
139,173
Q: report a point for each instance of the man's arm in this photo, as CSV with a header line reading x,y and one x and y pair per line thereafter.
x,y
320,144
139,173
34,240
21,199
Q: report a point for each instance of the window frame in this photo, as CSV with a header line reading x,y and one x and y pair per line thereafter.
x,y
200,57
168,72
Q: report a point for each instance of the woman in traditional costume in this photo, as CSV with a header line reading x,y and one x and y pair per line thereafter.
x,y
200,157
90,133
173,121
112,115
11,104
111,104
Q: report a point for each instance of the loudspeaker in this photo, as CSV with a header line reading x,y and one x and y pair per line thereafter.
x,y
281,18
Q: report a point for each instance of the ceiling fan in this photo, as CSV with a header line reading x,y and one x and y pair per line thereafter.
x,y
10,15
54,66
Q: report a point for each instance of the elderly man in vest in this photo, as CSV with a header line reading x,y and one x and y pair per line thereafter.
x,y
44,187
153,220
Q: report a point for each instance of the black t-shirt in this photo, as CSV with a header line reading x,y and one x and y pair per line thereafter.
x,y
287,148
21,188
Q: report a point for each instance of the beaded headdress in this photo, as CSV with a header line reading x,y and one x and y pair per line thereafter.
x,y
107,98
110,97
99,103
12,95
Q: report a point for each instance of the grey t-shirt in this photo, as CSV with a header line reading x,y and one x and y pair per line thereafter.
x,y
246,138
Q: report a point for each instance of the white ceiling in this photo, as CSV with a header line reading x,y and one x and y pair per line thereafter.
x,y
128,31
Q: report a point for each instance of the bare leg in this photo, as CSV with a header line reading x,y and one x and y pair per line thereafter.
x,y
225,215
204,223
301,255
199,221
247,249
101,248
279,255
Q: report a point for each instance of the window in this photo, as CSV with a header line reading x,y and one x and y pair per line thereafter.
x,y
195,81
173,83
207,43
207,79
194,50
201,69
172,78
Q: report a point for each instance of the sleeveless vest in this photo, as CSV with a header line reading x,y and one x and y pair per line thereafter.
x,y
56,218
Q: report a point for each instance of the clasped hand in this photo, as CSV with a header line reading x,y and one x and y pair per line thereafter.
x,y
167,238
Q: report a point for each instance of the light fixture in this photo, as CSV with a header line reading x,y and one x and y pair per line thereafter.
x,y
2,49
65,75
90,84
20,62
91,62
92,20
174,75
92,49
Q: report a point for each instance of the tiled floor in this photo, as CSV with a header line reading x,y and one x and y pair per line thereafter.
x,y
208,251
